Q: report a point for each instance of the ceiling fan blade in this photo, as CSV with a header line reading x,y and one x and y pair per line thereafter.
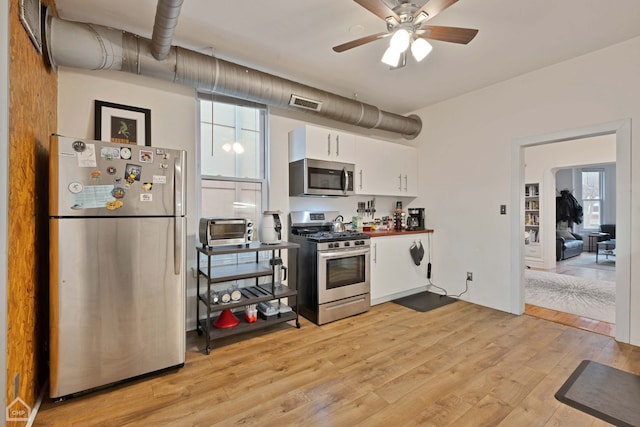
x,y
359,42
447,34
432,8
378,8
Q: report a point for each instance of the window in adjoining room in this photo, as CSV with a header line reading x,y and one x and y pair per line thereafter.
x,y
593,198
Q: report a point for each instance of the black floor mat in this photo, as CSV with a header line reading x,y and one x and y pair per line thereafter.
x,y
424,301
604,392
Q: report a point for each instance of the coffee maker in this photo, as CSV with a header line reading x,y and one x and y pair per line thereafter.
x,y
415,221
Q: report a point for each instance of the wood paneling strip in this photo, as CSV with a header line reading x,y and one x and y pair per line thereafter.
x,y
32,118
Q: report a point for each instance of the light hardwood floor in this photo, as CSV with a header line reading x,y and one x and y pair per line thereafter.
x,y
568,267
461,364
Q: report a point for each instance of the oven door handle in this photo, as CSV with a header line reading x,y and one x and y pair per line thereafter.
x,y
344,253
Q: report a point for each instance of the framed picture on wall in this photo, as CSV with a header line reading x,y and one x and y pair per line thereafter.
x,y
122,124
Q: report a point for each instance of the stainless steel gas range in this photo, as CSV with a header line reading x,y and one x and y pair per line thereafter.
x,y
333,268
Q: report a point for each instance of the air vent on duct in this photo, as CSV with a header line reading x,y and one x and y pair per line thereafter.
x,y
30,19
306,103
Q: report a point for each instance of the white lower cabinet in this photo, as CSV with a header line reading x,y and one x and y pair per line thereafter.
x,y
393,272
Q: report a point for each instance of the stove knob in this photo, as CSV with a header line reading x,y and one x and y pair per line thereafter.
x,y
347,244
333,245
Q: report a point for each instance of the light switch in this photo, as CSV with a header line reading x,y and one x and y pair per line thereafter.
x,y
503,209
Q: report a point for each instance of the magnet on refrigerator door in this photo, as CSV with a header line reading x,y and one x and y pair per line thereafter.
x,y
75,187
109,153
146,156
132,173
118,192
112,205
125,153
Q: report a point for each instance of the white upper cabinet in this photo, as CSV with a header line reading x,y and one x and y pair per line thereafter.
x,y
385,168
315,142
407,169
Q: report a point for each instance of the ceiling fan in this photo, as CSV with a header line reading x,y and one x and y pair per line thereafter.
x,y
406,27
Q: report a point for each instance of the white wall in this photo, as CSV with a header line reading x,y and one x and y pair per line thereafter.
x,y
541,163
465,154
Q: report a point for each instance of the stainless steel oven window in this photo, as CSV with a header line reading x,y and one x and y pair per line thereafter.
x,y
345,271
343,274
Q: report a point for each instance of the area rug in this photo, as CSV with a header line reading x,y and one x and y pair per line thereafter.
x,y
589,261
604,392
424,301
595,299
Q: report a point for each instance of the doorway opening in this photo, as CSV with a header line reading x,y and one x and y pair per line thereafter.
x,y
572,287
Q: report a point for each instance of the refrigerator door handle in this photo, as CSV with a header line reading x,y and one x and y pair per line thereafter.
x,y
177,245
178,190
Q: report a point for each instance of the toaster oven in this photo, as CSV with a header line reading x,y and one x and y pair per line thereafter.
x,y
220,231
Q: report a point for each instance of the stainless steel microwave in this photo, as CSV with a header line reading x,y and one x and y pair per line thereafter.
x,y
311,177
219,231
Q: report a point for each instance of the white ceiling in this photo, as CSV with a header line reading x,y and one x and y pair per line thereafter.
x,y
293,39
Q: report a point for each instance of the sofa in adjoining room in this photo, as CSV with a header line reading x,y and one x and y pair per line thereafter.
x,y
568,244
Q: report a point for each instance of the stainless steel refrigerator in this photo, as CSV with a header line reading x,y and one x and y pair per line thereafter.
x,y
117,262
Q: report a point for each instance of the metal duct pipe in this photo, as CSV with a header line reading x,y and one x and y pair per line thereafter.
x,y
94,47
167,13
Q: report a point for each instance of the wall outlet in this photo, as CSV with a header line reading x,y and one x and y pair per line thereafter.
x,y
469,276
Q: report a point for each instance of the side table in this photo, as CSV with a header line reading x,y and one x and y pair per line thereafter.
x,y
594,238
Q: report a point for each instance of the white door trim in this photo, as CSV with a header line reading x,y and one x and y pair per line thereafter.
x,y
622,131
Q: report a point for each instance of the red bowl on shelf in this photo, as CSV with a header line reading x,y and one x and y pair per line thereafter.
x,y
226,320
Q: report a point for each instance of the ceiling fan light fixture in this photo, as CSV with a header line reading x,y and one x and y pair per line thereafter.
x,y
391,57
421,17
420,48
400,40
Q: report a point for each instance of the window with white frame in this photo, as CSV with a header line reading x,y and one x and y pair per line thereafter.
x,y
593,197
232,157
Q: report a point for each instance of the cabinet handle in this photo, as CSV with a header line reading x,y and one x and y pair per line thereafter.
x,y
400,180
337,145
375,253
361,179
328,144
406,183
